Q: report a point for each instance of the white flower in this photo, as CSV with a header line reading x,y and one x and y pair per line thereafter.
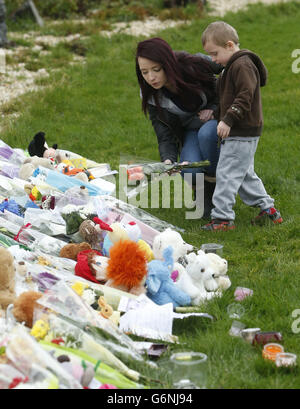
x,y
89,296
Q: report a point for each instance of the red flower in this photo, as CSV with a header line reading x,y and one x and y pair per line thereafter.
x,y
58,341
15,382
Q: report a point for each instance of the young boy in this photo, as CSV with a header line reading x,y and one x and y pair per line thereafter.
x,y
240,124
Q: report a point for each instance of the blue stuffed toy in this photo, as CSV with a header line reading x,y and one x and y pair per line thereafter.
x,y
160,286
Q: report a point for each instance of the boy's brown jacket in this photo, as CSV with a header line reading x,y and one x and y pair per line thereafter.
x,y
238,89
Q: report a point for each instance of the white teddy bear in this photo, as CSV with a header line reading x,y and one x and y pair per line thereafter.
x,y
198,278
220,267
180,248
172,238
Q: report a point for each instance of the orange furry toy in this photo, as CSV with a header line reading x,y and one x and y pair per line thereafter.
x,y
127,267
24,307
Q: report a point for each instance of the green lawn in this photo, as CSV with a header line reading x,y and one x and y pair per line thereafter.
x,y
95,110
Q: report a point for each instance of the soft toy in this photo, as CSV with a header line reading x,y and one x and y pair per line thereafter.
x,y
106,311
21,268
117,233
89,267
160,287
39,147
172,238
130,231
133,230
30,164
201,273
71,250
74,172
143,245
127,267
24,307
220,267
91,231
98,265
7,278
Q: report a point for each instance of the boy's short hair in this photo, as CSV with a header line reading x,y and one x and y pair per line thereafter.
x,y
220,33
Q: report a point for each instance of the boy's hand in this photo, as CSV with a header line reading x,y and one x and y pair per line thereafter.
x,y
223,130
206,114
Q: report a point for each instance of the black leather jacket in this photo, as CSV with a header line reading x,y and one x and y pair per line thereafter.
x,y
170,126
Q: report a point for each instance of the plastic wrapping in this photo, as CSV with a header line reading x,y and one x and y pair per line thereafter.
x,y
62,299
111,209
5,240
9,170
5,186
24,352
148,172
64,182
7,375
46,221
103,373
81,162
71,336
11,155
36,240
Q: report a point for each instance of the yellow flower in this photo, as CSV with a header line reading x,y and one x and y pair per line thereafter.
x,y
40,329
35,192
79,287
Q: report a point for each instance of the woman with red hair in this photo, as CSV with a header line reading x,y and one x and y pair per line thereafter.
x,y
178,93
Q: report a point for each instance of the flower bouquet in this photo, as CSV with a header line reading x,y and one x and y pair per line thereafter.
x,y
147,170
63,334
62,299
37,365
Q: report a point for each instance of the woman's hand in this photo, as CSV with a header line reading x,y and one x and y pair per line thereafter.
x,y
168,162
205,115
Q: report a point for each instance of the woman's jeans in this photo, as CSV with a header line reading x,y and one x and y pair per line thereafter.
x,y
199,145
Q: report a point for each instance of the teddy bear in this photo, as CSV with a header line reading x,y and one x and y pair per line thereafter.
x,y
91,231
24,305
172,238
201,276
127,267
7,278
220,267
71,250
160,287
30,164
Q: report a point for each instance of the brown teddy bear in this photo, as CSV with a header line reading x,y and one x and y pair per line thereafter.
x,y
7,278
72,249
24,307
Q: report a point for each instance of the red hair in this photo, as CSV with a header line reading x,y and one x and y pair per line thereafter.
x,y
127,264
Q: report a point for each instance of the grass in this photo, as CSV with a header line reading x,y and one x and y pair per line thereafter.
x,y
94,109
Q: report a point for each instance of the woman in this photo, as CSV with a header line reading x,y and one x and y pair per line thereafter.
x,y
178,93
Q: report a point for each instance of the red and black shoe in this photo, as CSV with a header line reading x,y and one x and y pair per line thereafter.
x,y
268,215
219,225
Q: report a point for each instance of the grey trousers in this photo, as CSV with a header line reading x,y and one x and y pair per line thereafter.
x,y
235,175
